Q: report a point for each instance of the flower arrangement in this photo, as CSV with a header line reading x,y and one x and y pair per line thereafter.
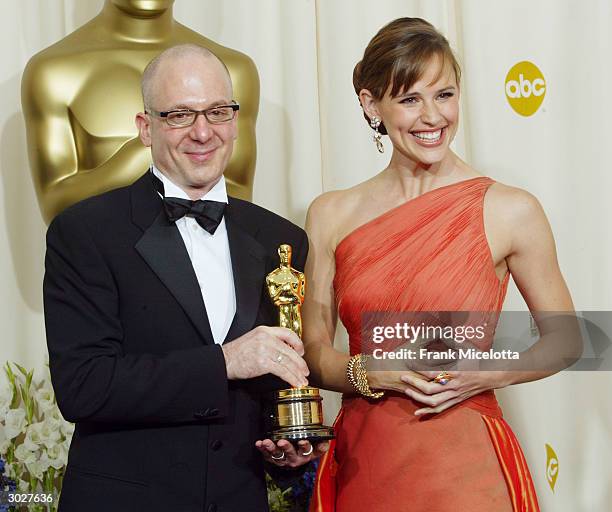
x,y
34,438
295,498
34,443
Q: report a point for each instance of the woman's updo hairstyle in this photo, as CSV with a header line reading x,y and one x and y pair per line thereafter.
x,y
398,55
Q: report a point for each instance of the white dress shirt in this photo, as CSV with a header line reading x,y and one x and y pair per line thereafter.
x,y
210,257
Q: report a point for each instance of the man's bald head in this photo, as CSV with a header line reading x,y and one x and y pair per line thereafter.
x,y
164,60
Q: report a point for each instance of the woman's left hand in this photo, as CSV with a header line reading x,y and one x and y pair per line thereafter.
x,y
461,386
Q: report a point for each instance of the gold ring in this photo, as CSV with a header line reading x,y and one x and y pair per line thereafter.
x,y
443,378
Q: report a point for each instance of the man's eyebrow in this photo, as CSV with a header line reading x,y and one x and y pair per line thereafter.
x,y
182,106
178,107
220,102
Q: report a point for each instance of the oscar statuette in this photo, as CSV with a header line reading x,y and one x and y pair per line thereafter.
x,y
297,413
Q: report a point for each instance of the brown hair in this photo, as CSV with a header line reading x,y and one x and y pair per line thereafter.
x,y
398,56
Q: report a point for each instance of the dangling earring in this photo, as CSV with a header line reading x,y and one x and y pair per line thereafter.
x,y
375,123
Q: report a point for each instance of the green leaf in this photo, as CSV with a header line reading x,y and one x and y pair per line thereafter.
x,y
21,369
11,377
50,478
30,412
29,377
9,372
10,454
15,400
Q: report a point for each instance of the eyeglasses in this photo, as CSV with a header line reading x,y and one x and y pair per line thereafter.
x,y
181,118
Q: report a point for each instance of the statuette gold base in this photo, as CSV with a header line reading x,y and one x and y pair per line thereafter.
x,y
298,414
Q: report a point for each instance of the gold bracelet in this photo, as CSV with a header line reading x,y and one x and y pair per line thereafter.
x,y
358,377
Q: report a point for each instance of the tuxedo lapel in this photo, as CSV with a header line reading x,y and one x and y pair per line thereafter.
x,y
162,247
248,266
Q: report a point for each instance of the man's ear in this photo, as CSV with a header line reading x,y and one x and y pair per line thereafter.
x,y
235,121
369,104
143,123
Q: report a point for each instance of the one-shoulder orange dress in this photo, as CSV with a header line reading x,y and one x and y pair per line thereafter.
x,y
429,254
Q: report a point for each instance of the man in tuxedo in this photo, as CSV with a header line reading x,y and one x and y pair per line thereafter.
x,y
156,315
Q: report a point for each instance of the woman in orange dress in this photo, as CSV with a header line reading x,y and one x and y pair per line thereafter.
x,y
428,233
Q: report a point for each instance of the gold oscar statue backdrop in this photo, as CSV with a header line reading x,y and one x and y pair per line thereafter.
x,y
80,96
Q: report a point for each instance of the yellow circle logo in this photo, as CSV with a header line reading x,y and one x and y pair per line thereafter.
x,y
525,88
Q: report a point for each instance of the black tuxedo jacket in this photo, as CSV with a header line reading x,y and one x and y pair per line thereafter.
x,y
134,365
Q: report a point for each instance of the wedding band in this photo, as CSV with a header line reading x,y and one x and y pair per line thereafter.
x,y
279,358
308,452
443,378
282,456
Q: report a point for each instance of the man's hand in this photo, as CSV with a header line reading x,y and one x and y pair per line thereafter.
x,y
284,454
264,350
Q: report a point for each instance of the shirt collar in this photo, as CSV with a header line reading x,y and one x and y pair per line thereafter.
x,y
217,193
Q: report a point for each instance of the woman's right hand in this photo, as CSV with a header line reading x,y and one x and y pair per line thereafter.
x,y
391,380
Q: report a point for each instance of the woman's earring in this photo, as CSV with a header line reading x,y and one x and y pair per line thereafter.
x,y
375,123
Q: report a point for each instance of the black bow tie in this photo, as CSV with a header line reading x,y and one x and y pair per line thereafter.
x,y
207,214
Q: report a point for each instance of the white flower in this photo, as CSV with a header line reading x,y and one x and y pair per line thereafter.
x,y
55,414
67,429
46,441
4,442
45,398
33,438
66,444
10,471
38,467
55,456
23,486
15,423
22,454
6,397
50,433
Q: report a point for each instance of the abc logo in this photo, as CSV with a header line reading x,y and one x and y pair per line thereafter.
x,y
525,88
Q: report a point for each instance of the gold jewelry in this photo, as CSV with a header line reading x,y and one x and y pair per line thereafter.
x,y
443,378
358,377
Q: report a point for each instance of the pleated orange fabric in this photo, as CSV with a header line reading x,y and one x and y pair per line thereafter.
x,y
429,254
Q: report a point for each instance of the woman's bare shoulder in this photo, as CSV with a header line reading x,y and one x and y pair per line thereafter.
x,y
336,202
515,205
331,212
